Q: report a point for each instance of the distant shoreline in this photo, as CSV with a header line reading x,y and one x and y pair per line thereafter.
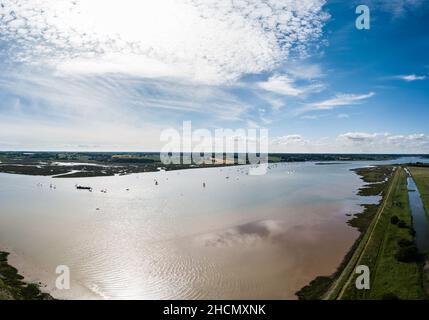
x,y
330,163
93,164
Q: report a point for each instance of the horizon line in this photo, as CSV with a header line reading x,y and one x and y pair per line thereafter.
x,y
187,152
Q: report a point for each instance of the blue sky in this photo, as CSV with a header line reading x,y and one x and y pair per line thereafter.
x,y
112,75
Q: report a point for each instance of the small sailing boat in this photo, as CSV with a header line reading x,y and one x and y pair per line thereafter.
x,y
79,187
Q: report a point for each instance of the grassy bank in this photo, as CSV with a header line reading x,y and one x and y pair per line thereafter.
x,y
386,245
12,286
390,252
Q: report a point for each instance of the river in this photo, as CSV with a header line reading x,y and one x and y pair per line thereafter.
x,y
239,237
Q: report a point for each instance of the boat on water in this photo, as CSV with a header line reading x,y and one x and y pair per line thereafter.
x,y
79,187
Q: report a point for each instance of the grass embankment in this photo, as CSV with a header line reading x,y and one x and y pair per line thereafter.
x,y
386,246
377,179
390,252
12,286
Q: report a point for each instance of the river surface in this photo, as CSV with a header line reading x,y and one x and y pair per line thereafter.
x,y
240,237
420,219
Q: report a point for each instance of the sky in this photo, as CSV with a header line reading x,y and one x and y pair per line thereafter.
x,y
110,75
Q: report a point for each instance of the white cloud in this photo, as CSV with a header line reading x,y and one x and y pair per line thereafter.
x,y
353,142
289,139
343,116
358,136
417,137
308,117
384,142
282,85
306,71
340,100
286,85
411,77
396,139
196,40
276,104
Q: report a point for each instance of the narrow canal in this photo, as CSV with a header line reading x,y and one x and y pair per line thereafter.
x,y
420,218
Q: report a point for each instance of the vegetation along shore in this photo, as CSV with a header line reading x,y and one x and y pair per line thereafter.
x,y
13,286
386,243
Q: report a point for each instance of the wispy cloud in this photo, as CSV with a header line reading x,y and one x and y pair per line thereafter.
x,y
305,71
289,139
358,136
286,85
411,77
120,97
397,8
282,85
310,117
340,100
58,112
275,103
